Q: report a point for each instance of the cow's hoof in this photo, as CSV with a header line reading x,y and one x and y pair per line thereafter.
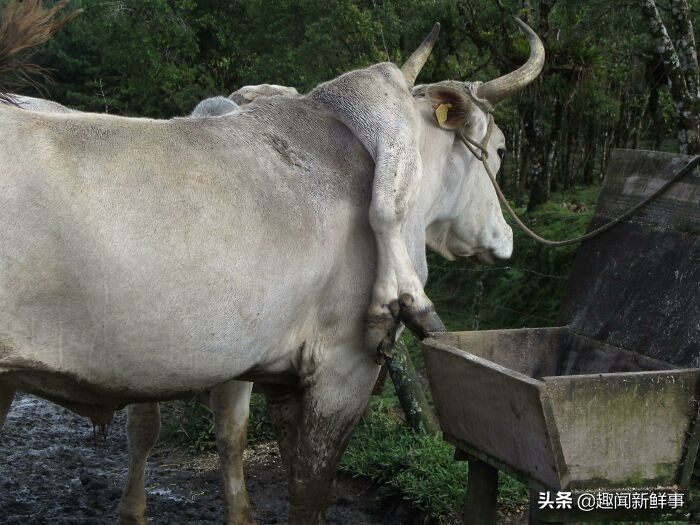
x,y
240,513
380,333
132,519
420,321
241,519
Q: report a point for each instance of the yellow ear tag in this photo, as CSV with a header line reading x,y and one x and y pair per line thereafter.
x,y
441,113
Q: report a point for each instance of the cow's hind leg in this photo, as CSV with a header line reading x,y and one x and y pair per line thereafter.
x,y
7,394
398,291
143,427
231,404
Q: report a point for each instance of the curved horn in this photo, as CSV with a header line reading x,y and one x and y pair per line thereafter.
x,y
503,87
416,61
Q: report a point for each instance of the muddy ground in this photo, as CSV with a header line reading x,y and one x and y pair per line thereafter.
x,y
54,469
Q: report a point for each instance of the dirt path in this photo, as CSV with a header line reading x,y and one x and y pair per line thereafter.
x,y
54,470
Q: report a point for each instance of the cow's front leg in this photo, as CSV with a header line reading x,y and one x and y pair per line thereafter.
x,y
376,104
143,427
230,403
398,293
331,407
284,409
7,395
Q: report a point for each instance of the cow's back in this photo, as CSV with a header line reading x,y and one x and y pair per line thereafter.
x,y
149,258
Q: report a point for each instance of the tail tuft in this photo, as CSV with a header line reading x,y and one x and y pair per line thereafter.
x,y
25,24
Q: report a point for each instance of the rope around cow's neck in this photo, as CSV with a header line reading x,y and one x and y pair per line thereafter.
x,y
483,155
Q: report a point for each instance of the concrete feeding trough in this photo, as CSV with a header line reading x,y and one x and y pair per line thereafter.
x,y
563,411
607,401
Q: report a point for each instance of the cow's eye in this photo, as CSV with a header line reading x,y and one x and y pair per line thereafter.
x,y
502,153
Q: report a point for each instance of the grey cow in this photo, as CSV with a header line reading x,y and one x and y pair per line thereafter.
x,y
144,419
143,260
214,107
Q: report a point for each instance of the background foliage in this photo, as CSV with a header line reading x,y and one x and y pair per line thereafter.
x,y
604,84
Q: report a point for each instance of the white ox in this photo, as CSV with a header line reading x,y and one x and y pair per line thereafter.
x,y
143,260
143,424
39,104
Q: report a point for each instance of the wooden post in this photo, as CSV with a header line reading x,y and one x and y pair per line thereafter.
x,y
416,408
532,518
533,514
480,504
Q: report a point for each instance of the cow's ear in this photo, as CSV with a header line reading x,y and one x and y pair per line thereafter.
x,y
452,108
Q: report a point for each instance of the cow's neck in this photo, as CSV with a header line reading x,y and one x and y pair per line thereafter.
x,y
435,145
439,194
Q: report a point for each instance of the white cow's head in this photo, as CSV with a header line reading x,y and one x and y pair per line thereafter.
x,y
465,218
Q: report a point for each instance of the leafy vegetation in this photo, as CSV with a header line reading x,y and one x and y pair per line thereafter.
x,y
193,425
605,82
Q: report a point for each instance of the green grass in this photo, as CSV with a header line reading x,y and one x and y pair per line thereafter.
x,y
417,467
193,426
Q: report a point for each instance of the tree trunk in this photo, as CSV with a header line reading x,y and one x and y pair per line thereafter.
x,y
577,152
607,140
523,162
589,155
539,192
681,67
476,306
566,164
553,147
653,109
416,409
685,45
622,125
515,163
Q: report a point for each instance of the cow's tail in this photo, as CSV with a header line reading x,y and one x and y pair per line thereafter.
x,y
24,25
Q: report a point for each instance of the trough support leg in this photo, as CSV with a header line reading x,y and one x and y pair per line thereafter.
x,y
480,504
7,395
534,514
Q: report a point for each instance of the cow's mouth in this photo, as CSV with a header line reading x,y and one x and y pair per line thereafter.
x,y
485,257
